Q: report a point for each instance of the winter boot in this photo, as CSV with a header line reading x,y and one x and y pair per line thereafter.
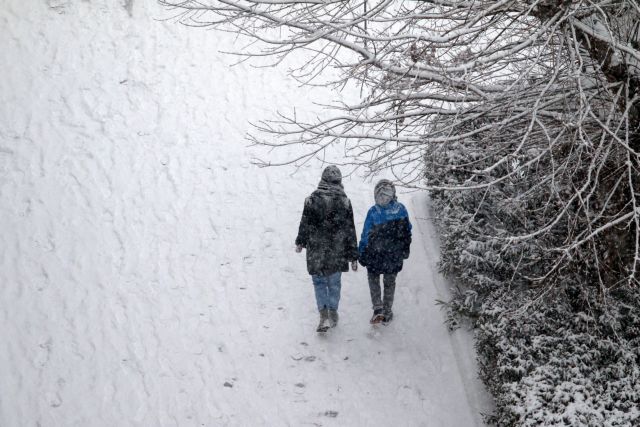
x,y
333,318
323,326
378,316
388,316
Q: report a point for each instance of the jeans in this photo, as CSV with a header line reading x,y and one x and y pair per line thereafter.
x,y
389,281
327,290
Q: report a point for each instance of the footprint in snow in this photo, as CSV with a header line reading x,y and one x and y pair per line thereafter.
x,y
306,359
229,384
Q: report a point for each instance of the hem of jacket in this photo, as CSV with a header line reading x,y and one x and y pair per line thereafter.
x,y
375,271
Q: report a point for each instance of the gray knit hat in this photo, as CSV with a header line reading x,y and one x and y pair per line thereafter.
x,y
384,192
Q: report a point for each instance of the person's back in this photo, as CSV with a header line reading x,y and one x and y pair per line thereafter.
x,y
327,232
385,241
384,245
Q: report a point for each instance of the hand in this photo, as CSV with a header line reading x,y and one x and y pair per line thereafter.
x,y
298,248
354,265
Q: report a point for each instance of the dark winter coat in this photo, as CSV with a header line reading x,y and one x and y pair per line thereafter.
x,y
386,238
327,231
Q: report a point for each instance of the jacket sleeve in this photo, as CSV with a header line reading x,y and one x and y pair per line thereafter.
x,y
364,237
407,237
305,224
351,244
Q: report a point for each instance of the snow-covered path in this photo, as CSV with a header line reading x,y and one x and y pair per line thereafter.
x,y
147,271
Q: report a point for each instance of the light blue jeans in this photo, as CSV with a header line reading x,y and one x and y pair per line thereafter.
x,y
327,290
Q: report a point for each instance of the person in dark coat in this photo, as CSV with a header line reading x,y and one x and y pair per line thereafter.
x,y
384,245
328,233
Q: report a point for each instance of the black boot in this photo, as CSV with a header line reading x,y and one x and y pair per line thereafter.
x,y
388,315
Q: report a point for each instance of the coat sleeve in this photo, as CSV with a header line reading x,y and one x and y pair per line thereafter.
x,y
352,240
364,237
407,237
305,224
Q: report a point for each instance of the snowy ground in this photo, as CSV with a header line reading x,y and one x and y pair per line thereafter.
x,y
147,270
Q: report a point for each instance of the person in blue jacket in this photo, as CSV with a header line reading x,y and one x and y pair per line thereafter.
x,y
384,245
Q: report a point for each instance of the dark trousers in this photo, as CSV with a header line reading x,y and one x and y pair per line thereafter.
x,y
379,302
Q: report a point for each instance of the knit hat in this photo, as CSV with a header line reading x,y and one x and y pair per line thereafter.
x,y
384,192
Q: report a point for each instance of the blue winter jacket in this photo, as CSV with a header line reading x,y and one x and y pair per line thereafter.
x,y
386,238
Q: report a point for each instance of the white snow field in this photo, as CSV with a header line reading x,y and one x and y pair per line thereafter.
x,y
147,269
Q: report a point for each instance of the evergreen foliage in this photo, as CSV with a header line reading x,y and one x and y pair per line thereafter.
x,y
562,355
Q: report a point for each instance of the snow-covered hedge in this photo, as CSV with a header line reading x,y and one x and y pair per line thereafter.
x,y
550,365
565,353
